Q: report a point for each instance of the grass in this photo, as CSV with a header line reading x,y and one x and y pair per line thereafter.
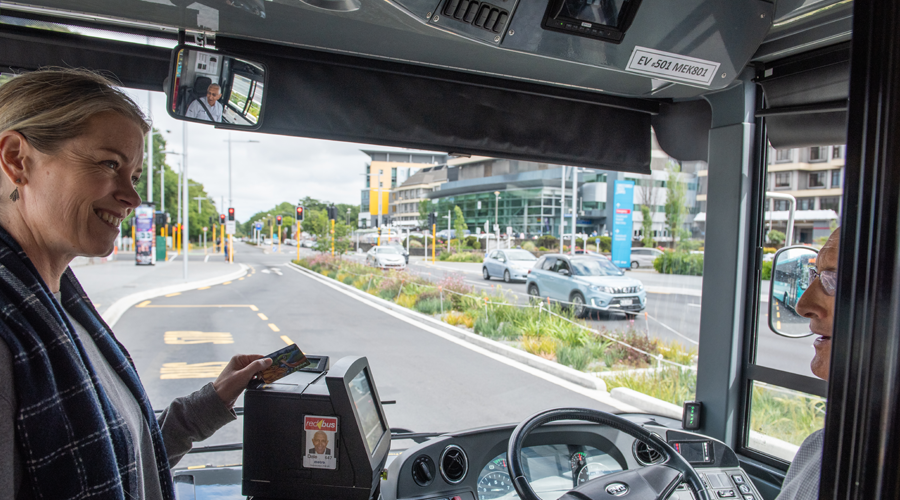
x,y
428,306
675,385
787,415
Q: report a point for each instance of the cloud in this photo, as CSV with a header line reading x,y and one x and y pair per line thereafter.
x,y
274,170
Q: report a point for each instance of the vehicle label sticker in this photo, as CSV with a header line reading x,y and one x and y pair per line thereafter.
x,y
673,67
321,442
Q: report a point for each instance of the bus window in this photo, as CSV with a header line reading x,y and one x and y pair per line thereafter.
x,y
780,417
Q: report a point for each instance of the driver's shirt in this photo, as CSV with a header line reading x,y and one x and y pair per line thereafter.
x,y
198,108
802,479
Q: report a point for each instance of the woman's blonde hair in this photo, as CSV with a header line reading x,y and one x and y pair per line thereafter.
x,y
51,106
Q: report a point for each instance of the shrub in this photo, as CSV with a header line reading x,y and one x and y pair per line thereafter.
x,y
461,257
605,242
676,352
548,241
766,270
349,280
459,319
769,250
415,244
679,263
407,301
387,294
544,347
428,306
675,385
531,247
471,241
577,357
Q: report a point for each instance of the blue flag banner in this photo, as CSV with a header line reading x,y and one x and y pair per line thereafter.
x,y
623,201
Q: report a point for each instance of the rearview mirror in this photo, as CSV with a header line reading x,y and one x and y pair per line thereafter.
x,y
564,272
789,280
206,86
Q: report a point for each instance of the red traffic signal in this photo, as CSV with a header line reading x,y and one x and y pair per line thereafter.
x,y
278,219
230,214
299,214
222,218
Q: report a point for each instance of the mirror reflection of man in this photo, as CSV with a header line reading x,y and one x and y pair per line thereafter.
x,y
816,304
208,108
320,443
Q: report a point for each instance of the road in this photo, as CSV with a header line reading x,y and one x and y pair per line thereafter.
x,y
673,312
180,342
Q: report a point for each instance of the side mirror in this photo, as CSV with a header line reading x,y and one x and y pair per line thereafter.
x,y
564,272
789,280
206,86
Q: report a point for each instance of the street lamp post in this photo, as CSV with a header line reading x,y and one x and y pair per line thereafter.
x,y
497,215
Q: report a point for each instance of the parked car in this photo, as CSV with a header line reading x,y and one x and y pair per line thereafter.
x,y
585,283
644,257
307,243
385,257
579,251
511,264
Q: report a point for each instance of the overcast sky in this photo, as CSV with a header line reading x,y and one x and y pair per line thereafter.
x,y
276,169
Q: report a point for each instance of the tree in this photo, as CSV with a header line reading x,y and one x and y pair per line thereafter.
x,y
317,224
676,194
459,225
775,236
425,208
647,226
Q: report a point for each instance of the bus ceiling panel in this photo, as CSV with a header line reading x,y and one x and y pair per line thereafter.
x,y
719,36
682,129
354,99
135,66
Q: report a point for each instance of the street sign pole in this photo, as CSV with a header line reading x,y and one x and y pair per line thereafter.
x,y
332,237
433,240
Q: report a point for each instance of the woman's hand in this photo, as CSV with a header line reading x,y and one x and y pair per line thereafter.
x,y
237,374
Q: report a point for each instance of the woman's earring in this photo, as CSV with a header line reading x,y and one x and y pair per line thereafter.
x,y
15,195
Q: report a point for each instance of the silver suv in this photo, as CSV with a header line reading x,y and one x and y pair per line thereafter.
x,y
643,257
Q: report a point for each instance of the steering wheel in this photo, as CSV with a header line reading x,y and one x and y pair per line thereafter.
x,y
654,481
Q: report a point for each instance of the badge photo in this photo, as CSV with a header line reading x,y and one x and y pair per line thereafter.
x,y
321,442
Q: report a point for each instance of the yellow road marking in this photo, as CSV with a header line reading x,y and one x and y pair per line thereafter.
x,y
173,294
777,314
274,328
204,288
262,316
194,337
778,325
146,302
227,283
240,279
287,340
173,371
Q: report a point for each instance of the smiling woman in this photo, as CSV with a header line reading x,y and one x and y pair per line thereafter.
x,y
71,150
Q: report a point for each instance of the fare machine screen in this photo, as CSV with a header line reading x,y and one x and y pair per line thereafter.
x,y
317,433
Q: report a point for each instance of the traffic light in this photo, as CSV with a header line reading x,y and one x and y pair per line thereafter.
x,y
299,214
332,212
278,219
221,218
211,220
432,219
230,213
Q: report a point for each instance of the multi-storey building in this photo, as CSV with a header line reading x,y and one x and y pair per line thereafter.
x,y
814,176
406,198
386,171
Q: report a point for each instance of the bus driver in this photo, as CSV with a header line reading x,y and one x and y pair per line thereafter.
x,y
817,304
211,110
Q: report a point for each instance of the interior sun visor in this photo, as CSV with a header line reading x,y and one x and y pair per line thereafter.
x,y
806,98
349,98
682,129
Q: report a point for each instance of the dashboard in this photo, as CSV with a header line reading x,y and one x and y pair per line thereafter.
x,y
557,458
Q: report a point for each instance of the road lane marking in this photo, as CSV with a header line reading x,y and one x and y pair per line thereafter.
x,y
204,288
240,279
206,259
175,371
194,337
287,340
227,283
146,304
266,271
667,327
173,294
274,328
262,316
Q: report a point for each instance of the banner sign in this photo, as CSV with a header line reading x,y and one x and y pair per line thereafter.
x,y
623,205
144,231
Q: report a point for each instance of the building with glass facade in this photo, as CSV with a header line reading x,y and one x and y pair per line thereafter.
x,y
386,171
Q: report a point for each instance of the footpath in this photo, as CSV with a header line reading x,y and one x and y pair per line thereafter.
x,y
114,286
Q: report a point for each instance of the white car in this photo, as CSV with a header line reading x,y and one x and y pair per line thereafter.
x,y
644,257
385,257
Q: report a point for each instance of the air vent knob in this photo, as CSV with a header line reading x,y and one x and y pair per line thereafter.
x,y
423,470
